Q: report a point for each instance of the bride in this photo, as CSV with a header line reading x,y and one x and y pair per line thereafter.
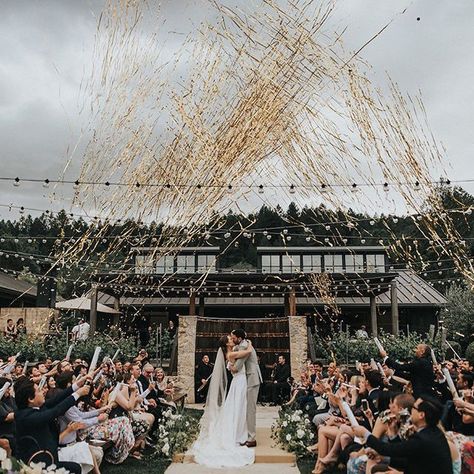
x,y
224,423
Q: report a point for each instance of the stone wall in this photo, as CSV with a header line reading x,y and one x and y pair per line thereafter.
x,y
37,320
186,354
298,344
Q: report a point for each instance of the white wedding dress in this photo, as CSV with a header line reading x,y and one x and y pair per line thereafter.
x,y
224,423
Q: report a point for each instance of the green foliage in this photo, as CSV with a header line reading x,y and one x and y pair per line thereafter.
x,y
470,353
293,432
38,348
458,315
351,349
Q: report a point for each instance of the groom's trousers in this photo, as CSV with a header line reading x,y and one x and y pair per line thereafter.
x,y
252,396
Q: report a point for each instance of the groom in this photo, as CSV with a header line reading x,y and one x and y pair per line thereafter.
x,y
254,379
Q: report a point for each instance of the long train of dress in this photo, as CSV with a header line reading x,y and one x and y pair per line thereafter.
x,y
220,446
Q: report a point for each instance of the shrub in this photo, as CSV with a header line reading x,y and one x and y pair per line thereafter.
x,y
351,349
470,353
293,431
176,433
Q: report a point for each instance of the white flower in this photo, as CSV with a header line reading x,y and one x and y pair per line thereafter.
x,y
7,464
165,449
298,412
311,436
186,424
300,433
284,424
3,454
306,421
295,417
288,437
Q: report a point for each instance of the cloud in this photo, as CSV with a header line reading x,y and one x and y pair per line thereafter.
x,y
46,50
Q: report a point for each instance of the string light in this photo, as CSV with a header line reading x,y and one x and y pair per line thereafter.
x,y
323,187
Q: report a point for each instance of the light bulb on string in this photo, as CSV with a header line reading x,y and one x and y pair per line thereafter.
x,y
386,187
46,183
417,186
354,188
260,189
16,182
292,189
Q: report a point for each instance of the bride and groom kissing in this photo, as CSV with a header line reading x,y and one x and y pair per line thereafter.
x,y
228,426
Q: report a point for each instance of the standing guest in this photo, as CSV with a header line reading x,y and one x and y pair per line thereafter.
x,y
362,333
10,330
143,328
36,420
280,388
20,327
80,332
171,329
419,371
426,452
203,373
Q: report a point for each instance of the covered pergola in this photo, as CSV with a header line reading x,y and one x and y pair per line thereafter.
x,y
222,284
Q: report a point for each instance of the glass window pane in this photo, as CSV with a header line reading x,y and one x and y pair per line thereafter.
x,y
329,263
370,259
338,263
266,264
286,264
275,263
350,263
380,263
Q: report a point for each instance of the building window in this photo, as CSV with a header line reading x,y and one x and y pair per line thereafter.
x,y
165,264
375,263
290,263
186,264
354,263
312,263
270,263
206,263
143,264
333,263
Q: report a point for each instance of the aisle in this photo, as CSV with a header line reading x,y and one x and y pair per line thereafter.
x,y
268,458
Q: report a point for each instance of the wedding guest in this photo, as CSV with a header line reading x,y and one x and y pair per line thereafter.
x,y
203,373
10,331
280,388
426,452
420,370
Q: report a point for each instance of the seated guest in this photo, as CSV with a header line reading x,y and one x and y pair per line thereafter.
x,y
36,419
280,388
7,416
426,452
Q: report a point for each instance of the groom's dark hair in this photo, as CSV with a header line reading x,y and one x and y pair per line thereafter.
x,y
239,333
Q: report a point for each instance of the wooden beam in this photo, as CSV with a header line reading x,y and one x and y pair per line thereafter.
x,y
93,311
394,305
373,315
286,302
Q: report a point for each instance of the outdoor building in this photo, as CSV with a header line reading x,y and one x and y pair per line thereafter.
x,y
358,275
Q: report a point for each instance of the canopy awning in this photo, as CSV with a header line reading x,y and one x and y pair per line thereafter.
x,y
84,304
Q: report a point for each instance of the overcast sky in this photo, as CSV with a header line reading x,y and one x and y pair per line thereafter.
x,y
46,46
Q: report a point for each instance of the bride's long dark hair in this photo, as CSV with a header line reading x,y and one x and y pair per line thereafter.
x,y
223,341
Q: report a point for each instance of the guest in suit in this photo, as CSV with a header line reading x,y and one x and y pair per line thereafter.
x,y
426,452
203,372
419,371
36,426
280,386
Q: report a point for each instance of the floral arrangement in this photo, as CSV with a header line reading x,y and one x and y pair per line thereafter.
x,y
176,433
293,431
9,465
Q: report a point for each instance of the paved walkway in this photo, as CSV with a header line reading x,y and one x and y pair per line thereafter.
x,y
268,458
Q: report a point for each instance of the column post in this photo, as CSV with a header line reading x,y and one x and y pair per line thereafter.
x,y
201,306
394,305
192,304
93,311
187,354
292,302
373,316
